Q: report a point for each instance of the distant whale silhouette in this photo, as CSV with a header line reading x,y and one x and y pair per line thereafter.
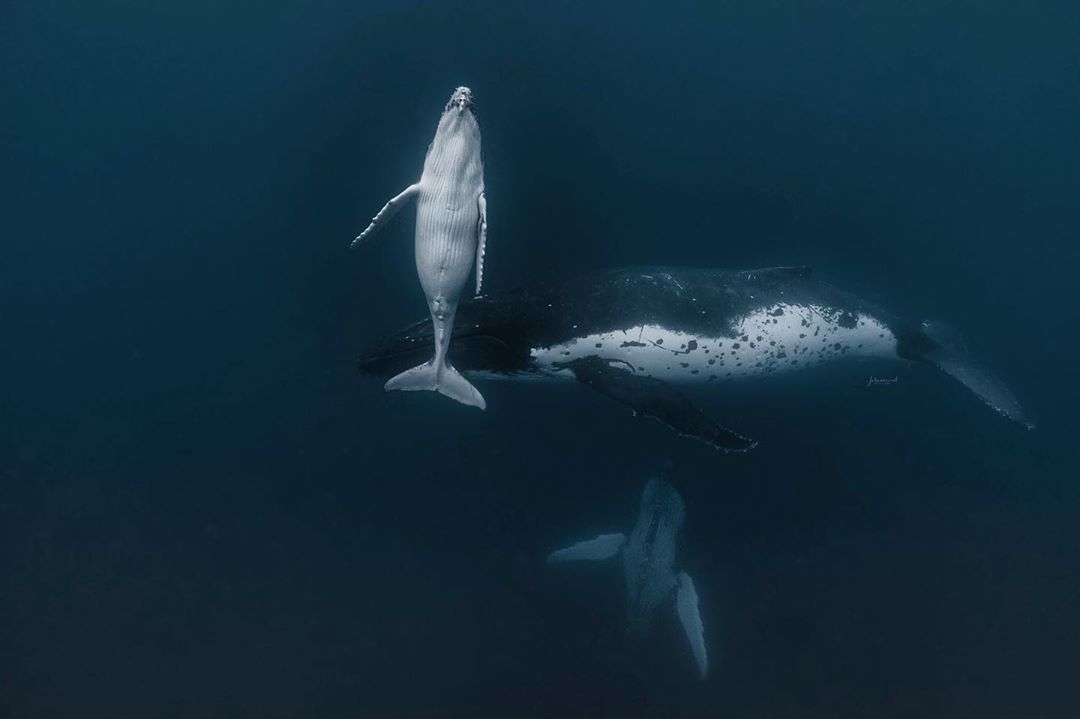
x,y
633,334
648,559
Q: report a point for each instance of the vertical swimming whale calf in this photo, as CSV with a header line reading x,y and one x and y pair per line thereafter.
x,y
451,231
648,558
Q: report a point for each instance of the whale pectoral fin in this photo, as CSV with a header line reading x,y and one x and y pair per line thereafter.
x,y
602,547
653,398
388,211
481,242
686,606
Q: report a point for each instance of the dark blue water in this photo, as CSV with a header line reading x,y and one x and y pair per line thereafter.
x,y
205,511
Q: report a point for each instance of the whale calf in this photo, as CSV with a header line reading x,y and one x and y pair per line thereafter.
x,y
642,335
451,233
648,559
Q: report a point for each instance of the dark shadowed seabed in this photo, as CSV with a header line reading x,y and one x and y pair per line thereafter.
x,y
205,511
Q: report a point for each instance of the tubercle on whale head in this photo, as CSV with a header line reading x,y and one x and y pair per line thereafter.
x,y
461,99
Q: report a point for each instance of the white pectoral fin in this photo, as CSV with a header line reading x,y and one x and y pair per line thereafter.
x,y
481,243
686,606
602,547
388,211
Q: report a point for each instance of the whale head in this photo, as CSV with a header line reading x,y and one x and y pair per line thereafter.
x,y
457,125
461,100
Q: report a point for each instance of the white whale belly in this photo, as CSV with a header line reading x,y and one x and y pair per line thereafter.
x,y
781,338
445,244
447,213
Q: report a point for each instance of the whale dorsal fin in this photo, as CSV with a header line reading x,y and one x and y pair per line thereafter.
x,y
657,399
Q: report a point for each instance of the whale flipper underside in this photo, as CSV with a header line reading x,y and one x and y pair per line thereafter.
x,y
654,398
603,547
388,211
686,606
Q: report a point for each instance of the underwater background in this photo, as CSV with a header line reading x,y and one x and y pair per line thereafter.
x,y
206,511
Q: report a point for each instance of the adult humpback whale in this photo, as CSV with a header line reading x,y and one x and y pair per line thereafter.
x,y
648,560
633,334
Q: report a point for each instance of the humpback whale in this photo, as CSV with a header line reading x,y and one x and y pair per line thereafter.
x,y
648,558
451,231
643,335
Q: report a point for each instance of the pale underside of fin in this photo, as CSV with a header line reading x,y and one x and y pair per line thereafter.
x,y
446,380
686,606
390,209
602,547
481,203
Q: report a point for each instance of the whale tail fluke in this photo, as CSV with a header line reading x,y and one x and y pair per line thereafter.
x,y
441,378
950,356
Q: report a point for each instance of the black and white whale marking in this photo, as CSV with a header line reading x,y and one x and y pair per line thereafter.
x,y
640,335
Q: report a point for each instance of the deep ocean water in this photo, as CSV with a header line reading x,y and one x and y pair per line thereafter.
x,y
206,511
